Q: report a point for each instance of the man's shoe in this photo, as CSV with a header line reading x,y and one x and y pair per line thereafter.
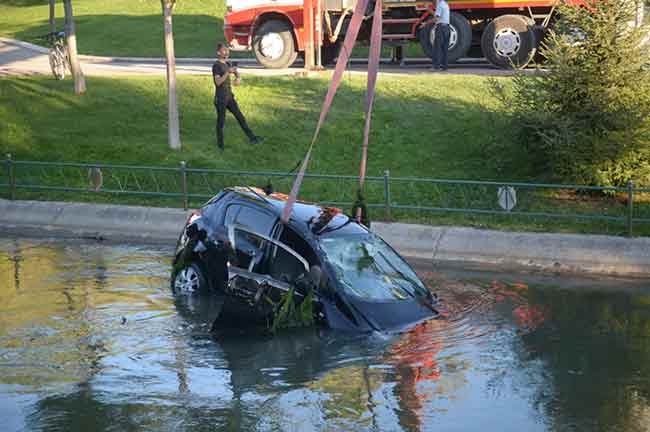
x,y
220,146
256,140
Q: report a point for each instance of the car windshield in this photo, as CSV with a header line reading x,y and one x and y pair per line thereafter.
x,y
368,268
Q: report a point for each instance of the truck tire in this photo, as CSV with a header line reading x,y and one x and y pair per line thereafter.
x,y
273,45
460,38
509,41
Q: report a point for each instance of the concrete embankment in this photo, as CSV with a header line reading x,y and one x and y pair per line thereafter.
x,y
466,247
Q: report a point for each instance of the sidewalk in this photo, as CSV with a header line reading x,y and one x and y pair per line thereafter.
x,y
466,247
23,58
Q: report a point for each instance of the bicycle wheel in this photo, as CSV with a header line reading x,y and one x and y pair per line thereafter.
x,y
57,62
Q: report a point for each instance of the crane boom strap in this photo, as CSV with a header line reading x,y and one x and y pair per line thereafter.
x,y
346,51
373,67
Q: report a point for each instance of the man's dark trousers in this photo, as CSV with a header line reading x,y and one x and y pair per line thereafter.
x,y
441,46
229,102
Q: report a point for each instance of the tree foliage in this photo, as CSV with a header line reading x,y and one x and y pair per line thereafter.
x,y
585,117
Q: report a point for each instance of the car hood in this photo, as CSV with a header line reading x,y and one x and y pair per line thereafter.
x,y
355,314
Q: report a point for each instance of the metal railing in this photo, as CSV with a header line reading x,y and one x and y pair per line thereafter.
x,y
396,197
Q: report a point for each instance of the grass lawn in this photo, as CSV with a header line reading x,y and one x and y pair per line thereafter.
x,y
121,27
419,122
130,27
423,126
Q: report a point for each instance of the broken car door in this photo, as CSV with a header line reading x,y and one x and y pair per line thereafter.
x,y
269,269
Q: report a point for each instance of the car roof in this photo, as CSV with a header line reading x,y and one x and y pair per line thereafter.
x,y
303,213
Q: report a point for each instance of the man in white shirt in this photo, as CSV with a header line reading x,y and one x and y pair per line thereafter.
x,y
441,42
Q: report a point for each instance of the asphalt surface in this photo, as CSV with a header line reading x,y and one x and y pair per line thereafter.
x,y
22,58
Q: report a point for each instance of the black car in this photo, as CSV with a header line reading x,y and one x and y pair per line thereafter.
x,y
355,280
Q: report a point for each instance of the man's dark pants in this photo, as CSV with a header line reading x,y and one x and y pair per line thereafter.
x,y
441,46
229,102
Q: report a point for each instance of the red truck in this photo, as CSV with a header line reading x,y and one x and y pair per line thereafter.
x,y
507,31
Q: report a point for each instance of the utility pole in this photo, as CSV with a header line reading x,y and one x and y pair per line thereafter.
x,y
318,33
308,32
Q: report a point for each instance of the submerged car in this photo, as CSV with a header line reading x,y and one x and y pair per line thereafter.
x,y
236,244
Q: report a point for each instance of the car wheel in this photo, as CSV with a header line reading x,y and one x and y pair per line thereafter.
x,y
460,37
509,41
190,280
273,45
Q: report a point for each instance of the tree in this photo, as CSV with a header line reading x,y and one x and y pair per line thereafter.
x,y
173,131
585,117
71,39
52,16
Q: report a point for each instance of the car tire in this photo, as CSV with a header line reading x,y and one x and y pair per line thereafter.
x,y
509,41
190,280
460,38
273,45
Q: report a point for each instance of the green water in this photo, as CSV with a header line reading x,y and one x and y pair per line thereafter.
x,y
91,338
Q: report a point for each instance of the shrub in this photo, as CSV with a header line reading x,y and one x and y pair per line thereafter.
x,y
585,117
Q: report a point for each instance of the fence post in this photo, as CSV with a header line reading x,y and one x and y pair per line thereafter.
x,y
387,195
184,184
630,207
12,177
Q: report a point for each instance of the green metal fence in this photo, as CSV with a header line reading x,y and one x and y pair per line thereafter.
x,y
402,198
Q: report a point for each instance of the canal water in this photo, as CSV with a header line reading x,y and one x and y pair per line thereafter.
x,y
91,338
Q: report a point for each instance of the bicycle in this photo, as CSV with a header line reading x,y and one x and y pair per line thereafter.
x,y
58,54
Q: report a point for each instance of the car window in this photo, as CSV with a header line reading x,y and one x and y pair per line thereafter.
x,y
262,255
284,266
293,240
256,220
213,211
231,214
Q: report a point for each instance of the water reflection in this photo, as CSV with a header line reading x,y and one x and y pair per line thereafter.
x,y
91,339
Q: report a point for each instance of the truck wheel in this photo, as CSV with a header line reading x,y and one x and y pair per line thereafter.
x,y
273,45
460,37
509,41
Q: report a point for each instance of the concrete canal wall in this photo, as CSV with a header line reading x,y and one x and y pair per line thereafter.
x,y
557,253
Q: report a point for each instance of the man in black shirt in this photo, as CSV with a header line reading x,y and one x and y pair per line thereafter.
x,y
224,98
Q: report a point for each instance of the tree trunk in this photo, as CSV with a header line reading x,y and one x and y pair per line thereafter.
x,y
75,67
52,16
173,132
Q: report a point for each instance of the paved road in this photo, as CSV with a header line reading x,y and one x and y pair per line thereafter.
x,y
21,58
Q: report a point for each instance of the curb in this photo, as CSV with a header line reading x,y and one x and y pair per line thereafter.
x,y
466,247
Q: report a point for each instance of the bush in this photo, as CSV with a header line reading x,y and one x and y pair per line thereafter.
x,y
585,117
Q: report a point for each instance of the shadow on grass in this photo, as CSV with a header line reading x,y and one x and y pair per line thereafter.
x,y
139,36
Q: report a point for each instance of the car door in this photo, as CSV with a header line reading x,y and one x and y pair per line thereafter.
x,y
252,290
275,255
250,249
